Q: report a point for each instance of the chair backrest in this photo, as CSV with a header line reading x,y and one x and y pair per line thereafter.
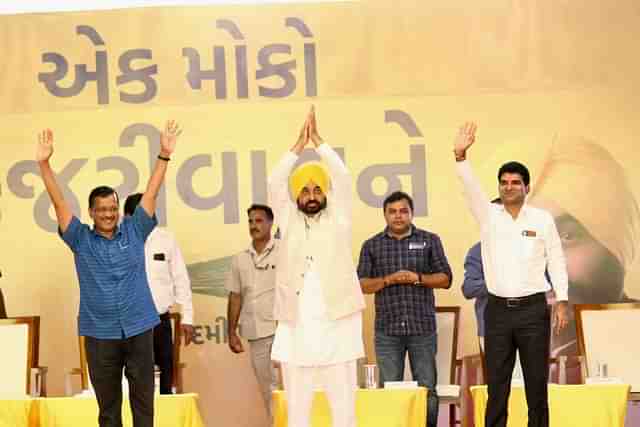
x,y
596,326
20,337
176,324
3,310
84,368
447,322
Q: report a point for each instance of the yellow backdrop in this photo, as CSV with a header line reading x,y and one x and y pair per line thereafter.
x,y
391,83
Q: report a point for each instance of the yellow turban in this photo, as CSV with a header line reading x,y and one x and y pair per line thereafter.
x,y
585,181
310,171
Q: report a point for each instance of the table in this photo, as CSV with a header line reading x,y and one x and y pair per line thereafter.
x,y
170,411
374,408
579,405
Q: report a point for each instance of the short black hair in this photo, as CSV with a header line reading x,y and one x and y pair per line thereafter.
x,y
396,196
102,191
257,207
515,167
132,203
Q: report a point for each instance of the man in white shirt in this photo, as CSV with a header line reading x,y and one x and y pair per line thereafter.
x,y
318,302
518,243
251,284
169,283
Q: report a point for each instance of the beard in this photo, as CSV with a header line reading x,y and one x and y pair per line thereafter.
x,y
312,207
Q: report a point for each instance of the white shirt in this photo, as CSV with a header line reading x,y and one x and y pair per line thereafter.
x,y
253,276
167,274
516,252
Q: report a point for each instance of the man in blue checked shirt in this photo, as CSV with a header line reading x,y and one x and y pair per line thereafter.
x,y
401,266
117,314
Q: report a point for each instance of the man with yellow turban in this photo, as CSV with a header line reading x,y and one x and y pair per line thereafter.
x,y
598,220
318,301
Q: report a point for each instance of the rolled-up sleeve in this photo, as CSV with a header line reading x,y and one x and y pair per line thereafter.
x,y
365,262
438,260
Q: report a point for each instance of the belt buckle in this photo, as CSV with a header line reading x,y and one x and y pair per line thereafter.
x,y
513,302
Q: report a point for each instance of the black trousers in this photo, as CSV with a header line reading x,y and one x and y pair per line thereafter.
x,y
523,325
163,353
106,360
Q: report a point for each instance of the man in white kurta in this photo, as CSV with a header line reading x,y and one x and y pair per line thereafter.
x,y
318,301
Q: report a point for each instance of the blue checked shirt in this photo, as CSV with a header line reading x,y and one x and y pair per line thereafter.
x,y
115,299
401,309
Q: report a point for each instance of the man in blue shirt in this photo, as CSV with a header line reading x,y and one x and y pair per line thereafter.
x,y
117,314
474,286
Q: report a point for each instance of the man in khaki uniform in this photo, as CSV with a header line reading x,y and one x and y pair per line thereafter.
x,y
251,284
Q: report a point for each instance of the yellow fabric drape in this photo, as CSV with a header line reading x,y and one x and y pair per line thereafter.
x,y
569,405
18,413
170,411
374,408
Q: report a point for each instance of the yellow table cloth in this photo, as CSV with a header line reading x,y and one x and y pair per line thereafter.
x,y
170,411
374,408
17,412
593,405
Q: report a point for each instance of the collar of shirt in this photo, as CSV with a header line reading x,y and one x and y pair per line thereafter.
x,y
409,233
116,233
309,220
265,252
521,215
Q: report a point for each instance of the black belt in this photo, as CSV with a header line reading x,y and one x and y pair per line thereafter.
x,y
165,316
519,301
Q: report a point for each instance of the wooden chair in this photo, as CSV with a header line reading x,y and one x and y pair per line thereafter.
x,y
3,310
447,322
19,369
178,366
83,370
596,325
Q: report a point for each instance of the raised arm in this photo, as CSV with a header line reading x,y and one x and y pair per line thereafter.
x,y
278,182
168,140
340,176
44,151
476,197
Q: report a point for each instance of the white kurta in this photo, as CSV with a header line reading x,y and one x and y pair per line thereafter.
x,y
316,340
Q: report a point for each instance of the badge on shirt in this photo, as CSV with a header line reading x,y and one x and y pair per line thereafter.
x,y
529,233
416,245
159,257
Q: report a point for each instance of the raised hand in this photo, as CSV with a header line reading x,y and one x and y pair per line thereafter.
x,y
465,139
169,137
44,149
313,127
303,138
